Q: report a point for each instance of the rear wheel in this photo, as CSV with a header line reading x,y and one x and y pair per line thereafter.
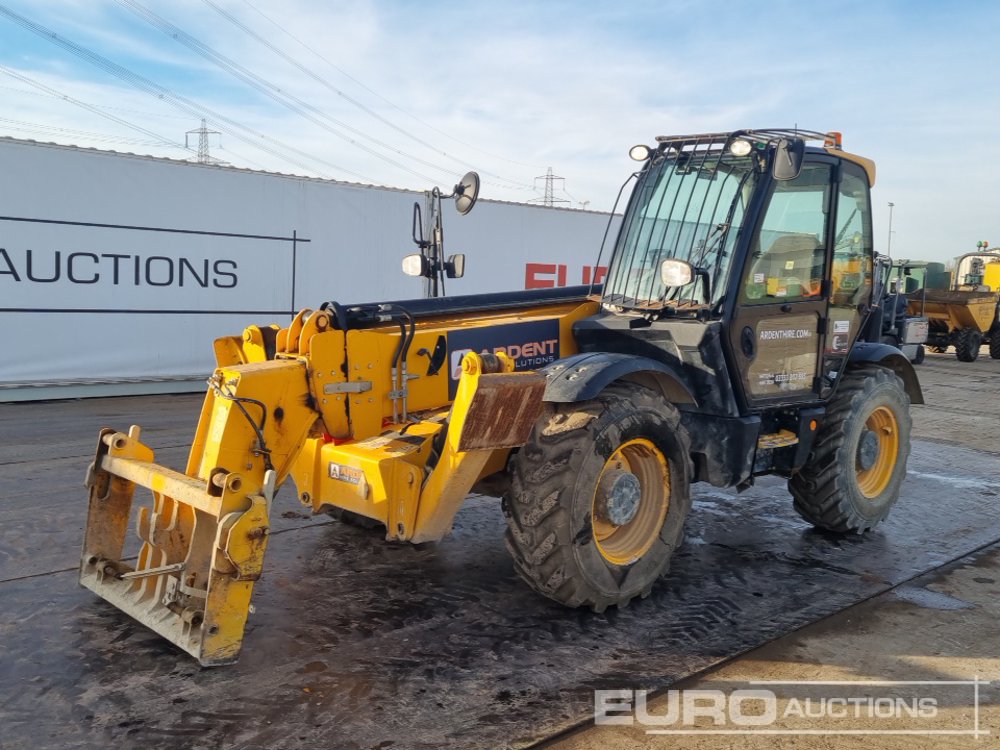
x,y
995,342
598,498
967,344
857,465
921,355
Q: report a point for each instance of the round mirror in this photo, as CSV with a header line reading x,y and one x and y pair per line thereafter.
x,y
466,193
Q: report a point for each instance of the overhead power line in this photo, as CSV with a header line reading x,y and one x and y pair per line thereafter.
x,y
548,196
156,138
226,124
346,97
89,107
203,133
374,93
39,128
276,94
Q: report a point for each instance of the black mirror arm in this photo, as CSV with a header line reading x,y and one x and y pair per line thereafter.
x,y
418,227
706,282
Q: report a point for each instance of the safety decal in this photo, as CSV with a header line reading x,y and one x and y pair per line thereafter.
x,y
393,443
343,473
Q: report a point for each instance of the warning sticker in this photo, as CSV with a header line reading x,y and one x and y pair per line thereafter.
x,y
343,473
841,326
394,443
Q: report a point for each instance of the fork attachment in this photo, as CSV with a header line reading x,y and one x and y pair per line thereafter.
x,y
203,539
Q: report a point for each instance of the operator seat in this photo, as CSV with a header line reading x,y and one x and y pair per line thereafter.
x,y
791,258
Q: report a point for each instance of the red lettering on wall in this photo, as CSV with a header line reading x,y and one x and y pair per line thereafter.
x,y
602,271
548,275
531,274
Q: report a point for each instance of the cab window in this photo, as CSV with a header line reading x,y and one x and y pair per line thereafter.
x,y
787,260
852,250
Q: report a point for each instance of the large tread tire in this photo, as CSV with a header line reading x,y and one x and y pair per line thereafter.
x,y
995,342
549,505
827,490
967,344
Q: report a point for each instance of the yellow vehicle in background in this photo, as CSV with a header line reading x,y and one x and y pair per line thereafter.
x,y
967,316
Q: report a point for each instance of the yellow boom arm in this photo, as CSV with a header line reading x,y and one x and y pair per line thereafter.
x,y
328,408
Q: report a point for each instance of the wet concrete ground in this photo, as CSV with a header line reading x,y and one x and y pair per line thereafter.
x,y
359,644
933,637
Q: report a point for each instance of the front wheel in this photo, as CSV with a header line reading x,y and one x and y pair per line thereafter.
x,y
598,498
967,344
857,465
995,342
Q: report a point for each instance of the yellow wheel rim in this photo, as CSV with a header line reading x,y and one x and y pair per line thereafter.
x,y
636,464
881,423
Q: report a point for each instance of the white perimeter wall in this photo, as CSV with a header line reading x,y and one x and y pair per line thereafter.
x,y
103,281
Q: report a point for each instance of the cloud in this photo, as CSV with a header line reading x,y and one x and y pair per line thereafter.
x,y
513,88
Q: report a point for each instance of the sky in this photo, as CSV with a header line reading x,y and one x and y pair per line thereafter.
x,y
413,94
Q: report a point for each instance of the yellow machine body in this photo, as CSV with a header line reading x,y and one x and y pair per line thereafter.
x,y
951,310
395,440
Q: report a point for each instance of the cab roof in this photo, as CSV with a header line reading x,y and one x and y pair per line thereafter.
x,y
832,142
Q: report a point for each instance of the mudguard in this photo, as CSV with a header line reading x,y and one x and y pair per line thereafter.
x,y
894,359
583,376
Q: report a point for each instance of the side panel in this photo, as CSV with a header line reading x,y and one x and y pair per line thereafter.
x,y
531,337
691,349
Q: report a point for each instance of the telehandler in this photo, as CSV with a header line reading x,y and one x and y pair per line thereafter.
x,y
732,338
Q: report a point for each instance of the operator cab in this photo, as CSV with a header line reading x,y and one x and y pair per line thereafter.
x,y
762,241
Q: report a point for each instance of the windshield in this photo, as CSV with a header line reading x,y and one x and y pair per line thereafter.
x,y
690,206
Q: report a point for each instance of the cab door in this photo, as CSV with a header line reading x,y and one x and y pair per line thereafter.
x,y
779,325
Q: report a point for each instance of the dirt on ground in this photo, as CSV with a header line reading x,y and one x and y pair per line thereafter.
x,y
938,626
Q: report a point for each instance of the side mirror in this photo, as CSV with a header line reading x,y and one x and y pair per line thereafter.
x,y
454,267
416,265
466,192
676,273
788,156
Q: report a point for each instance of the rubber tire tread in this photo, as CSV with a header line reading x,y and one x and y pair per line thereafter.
x,y
549,534
825,491
967,344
